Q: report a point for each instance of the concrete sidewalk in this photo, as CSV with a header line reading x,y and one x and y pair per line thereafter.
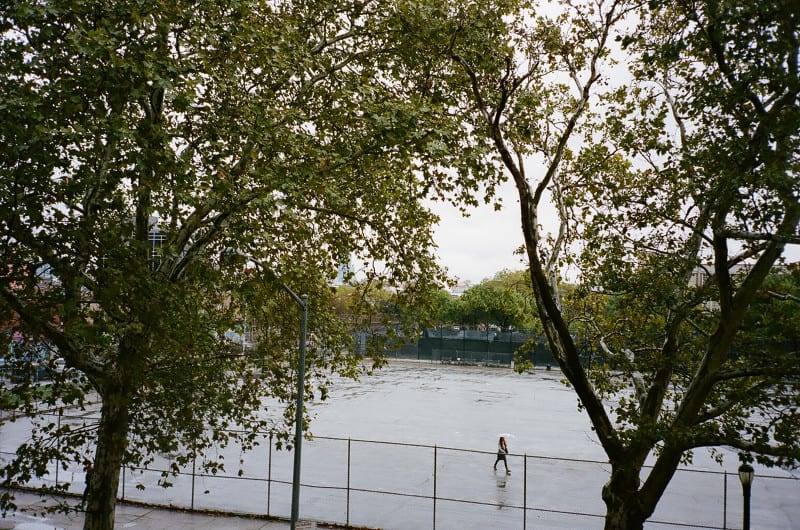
x,y
30,516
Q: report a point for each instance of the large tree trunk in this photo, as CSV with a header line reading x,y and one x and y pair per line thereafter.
x,y
112,439
623,507
622,517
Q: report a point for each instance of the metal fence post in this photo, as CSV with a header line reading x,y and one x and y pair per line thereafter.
x,y
269,473
435,456
441,344
347,522
464,339
725,500
488,353
194,465
58,445
123,481
524,491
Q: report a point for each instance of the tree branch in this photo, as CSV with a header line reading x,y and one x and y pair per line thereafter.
x,y
791,239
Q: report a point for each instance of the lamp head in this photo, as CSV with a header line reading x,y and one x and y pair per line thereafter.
x,y
746,474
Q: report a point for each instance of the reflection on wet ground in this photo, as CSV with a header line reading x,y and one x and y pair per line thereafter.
x,y
460,406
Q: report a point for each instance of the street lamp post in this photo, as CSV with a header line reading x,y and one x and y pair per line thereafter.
x,y
302,301
298,417
746,477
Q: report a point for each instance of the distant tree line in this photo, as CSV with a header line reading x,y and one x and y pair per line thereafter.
x,y
505,303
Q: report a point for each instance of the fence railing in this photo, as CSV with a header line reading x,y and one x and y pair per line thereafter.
x,y
395,485
468,346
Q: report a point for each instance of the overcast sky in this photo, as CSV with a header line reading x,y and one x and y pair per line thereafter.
x,y
476,247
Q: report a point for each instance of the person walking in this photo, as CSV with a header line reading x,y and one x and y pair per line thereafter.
x,y
502,451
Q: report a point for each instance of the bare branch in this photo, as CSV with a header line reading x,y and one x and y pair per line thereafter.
x,y
761,236
783,296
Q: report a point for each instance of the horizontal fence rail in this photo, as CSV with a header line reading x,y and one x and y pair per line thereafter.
x,y
396,485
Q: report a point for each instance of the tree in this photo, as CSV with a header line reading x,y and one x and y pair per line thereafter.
x,y
688,165
505,300
172,166
770,334
376,311
443,309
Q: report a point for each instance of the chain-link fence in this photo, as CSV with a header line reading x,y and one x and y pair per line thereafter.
x,y
485,346
378,484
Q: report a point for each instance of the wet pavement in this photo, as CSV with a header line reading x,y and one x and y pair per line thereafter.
x,y
412,447
30,516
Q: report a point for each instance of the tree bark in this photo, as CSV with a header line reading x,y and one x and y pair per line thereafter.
x,y
619,516
621,495
112,439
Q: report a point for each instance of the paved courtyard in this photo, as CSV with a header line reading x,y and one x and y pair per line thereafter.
x,y
384,447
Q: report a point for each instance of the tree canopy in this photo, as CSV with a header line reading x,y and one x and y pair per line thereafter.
x,y
680,163
505,300
170,167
